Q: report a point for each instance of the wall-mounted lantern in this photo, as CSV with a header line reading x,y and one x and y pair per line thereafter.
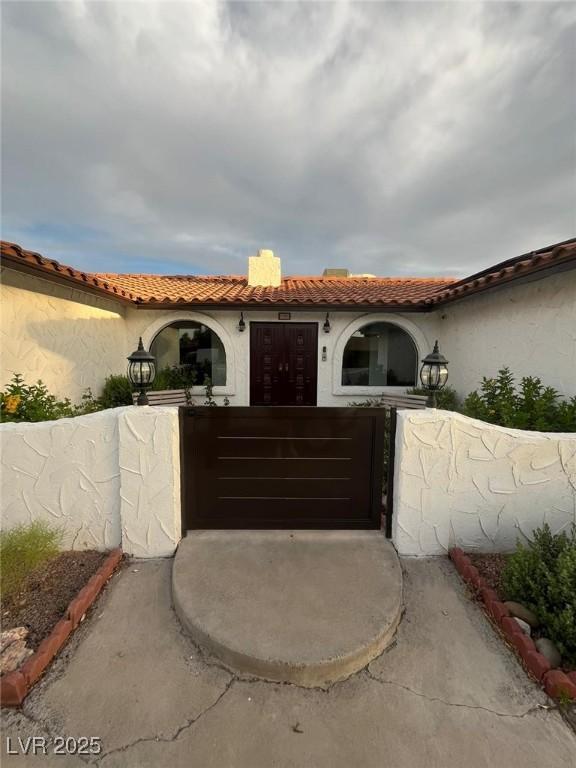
x,y
241,323
434,374
326,326
141,371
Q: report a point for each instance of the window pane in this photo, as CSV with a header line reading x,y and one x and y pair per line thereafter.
x,y
194,349
379,355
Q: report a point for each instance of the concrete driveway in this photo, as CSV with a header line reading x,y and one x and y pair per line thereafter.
x,y
447,694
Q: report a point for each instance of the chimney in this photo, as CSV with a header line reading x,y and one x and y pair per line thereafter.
x,y
264,270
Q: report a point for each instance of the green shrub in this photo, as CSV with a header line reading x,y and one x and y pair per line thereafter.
x,y
32,402
446,399
24,548
174,377
542,576
117,391
529,406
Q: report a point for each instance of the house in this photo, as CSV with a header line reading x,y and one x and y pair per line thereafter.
x,y
266,339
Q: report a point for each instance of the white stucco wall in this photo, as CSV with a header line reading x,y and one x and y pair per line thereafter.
x,y
150,481
462,482
65,473
421,327
68,338
531,328
107,479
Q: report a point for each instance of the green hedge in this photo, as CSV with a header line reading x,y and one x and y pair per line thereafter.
x,y
529,405
542,576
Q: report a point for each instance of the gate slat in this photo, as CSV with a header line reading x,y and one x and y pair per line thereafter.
x,y
282,467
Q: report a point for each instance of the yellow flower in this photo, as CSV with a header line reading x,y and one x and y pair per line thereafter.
x,y
11,403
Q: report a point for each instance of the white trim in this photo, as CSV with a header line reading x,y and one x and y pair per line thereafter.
x,y
418,337
152,330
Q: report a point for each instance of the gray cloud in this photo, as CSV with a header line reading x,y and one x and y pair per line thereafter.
x,y
394,138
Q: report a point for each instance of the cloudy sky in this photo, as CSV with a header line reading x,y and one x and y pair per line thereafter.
x,y
393,138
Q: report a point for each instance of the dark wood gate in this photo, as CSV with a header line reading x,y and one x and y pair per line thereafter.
x,y
283,363
282,467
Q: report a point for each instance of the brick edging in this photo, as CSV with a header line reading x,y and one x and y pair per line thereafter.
x,y
15,686
557,683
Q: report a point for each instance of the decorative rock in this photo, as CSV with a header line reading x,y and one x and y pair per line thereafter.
x,y
520,612
524,626
11,635
549,651
13,656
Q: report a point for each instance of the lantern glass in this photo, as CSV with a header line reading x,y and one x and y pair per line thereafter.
x,y
434,371
141,372
426,376
434,375
442,376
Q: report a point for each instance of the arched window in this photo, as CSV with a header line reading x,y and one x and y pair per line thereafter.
x,y
379,355
194,349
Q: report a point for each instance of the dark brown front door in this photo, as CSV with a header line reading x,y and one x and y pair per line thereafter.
x,y
283,363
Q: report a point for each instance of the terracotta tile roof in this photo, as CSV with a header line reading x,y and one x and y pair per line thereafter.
x,y
558,255
31,262
413,293
234,290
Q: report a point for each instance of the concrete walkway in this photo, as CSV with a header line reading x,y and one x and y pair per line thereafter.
x,y
305,607
446,694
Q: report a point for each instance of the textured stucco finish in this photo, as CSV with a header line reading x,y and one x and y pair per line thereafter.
x,y
66,473
66,337
531,328
264,269
107,479
462,482
150,481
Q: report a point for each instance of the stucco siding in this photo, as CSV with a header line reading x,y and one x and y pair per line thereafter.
x,y
68,338
65,473
462,482
106,479
531,328
150,481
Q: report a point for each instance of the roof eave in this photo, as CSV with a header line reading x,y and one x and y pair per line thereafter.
x,y
561,264
38,270
287,306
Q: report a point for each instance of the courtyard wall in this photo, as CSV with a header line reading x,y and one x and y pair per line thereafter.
x,y
462,482
107,479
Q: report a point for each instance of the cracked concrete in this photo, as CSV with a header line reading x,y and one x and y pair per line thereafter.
x,y
446,694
